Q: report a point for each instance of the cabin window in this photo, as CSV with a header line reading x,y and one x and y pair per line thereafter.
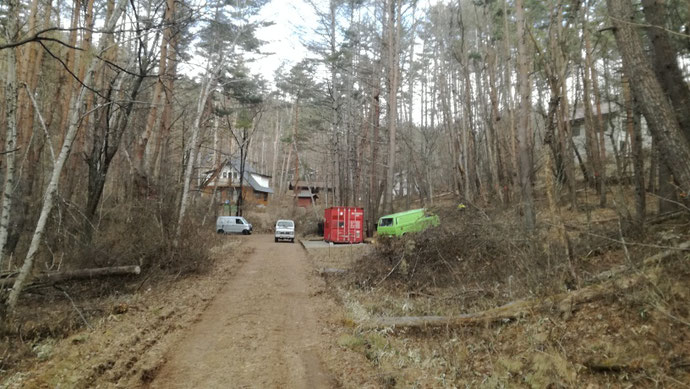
x,y
225,174
576,130
386,221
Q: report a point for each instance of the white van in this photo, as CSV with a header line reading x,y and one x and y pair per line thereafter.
x,y
233,224
285,229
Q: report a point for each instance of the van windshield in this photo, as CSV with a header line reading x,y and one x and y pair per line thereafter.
x,y
386,221
285,224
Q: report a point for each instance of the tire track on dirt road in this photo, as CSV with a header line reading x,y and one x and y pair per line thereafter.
x,y
262,330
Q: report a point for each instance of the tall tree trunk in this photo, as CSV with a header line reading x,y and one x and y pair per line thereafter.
x,y
495,125
393,38
508,97
166,121
665,63
360,158
663,124
206,86
144,150
24,72
597,121
635,134
66,80
373,169
82,61
294,146
338,170
276,142
11,149
524,125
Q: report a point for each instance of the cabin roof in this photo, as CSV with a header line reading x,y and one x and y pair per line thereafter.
x,y
606,109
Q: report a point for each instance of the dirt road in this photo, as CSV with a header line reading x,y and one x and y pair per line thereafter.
x,y
262,330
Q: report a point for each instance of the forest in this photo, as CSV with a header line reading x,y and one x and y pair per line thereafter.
x,y
552,137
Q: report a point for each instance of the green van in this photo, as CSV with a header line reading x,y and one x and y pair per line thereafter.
x,y
398,224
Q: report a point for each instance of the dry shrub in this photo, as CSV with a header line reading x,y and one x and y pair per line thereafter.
x,y
142,233
471,249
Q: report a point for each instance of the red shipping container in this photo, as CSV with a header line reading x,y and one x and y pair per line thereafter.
x,y
344,225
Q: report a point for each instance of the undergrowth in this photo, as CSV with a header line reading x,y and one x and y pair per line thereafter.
x,y
637,336
141,233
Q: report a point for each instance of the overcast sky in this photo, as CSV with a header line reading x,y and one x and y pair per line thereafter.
x,y
294,20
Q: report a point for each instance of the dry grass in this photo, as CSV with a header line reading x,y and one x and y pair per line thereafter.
x,y
633,337
139,234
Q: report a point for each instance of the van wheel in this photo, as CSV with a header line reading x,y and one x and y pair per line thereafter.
x,y
245,232
276,239
221,231
292,240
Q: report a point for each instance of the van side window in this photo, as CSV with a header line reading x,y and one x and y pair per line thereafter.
x,y
238,221
385,222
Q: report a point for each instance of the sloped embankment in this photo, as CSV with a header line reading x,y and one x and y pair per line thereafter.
x,y
474,303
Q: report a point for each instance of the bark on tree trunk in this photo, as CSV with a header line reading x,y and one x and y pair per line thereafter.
x,y
392,112
166,119
11,149
524,126
66,80
665,64
663,124
597,122
373,170
294,146
143,151
635,135
207,84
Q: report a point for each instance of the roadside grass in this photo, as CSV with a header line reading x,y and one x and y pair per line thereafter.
x,y
131,235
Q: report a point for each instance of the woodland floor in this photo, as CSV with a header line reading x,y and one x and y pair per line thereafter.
x,y
260,319
265,317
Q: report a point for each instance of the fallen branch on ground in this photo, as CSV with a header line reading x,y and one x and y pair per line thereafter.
x,y
564,303
78,274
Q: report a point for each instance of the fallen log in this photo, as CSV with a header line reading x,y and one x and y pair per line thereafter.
x,y
507,312
77,275
563,303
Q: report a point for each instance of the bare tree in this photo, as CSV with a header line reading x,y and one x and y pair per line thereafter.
x,y
70,134
11,149
393,27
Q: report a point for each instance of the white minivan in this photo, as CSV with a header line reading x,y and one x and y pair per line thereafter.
x,y
233,224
